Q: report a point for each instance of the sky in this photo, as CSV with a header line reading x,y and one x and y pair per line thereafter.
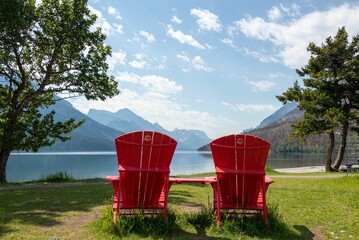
x,y
211,65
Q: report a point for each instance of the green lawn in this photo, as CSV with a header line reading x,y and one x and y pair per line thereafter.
x,y
300,208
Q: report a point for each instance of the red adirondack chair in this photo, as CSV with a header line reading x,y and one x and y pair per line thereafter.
x,y
144,159
241,184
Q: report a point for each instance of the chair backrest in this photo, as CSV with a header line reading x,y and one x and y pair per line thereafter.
x,y
144,159
240,161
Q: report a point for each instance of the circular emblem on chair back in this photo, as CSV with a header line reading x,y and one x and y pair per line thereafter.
x,y
147,138
240,141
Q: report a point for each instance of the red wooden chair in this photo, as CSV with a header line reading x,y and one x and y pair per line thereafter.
x,y
144,159
241,184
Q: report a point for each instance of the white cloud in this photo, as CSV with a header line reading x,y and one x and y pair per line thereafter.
x,y
277,13
102,23
183,38
195,63
262,86
142,61
176,20
154,83
292,38
162,63
139,61
118,28
229,42
38,2
207,20
261,56
114,12
274,13
183,57
106,28
291,11
116,58
200,65
149,37
250,107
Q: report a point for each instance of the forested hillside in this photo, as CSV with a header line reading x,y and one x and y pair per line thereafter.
x,y
278,135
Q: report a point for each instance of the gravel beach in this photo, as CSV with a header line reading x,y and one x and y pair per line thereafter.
x,y
302,169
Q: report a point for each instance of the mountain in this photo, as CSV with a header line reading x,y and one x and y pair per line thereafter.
x,y
190,138
277,115
125,120
90,136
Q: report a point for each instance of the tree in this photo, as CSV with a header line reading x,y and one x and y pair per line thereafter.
x,y
46,48
330,98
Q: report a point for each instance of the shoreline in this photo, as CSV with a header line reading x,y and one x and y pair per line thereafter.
x,y
312,169
309,169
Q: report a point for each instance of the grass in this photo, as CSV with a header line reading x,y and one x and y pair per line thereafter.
x,y
298,209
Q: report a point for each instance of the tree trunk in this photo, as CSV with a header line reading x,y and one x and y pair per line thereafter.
x,y
342,146
328,165
4,156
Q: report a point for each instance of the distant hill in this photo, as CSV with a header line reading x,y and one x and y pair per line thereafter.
x,y
90,136
276,129
277,133
125,120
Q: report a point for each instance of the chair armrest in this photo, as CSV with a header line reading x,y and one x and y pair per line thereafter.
x,y
268,180
234,171
125,168
112,178
192,180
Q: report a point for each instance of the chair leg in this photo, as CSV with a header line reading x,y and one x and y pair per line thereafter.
x,y
164,215
218,209
218,216
114,216
216,202
265,219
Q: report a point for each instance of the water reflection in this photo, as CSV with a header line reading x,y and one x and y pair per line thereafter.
x,y
191,163
290,160
34,166
81,165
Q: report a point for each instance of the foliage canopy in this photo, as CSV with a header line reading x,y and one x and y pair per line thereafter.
x,y
46,48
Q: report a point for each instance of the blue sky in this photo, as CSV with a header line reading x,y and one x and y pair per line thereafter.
x,y
213,65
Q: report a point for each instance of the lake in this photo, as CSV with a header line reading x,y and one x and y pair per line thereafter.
x,y
31,166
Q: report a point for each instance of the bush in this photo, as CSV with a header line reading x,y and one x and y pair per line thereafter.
x,y
57,177
138,224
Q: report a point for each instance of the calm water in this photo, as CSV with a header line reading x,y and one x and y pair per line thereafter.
x,y
30,166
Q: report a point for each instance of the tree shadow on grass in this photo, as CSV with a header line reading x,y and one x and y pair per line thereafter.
x,y
3,230
141,226
305,232
45,206
201,234
183,193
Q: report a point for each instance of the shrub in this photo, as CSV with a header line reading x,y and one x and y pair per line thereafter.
x,y
57,177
